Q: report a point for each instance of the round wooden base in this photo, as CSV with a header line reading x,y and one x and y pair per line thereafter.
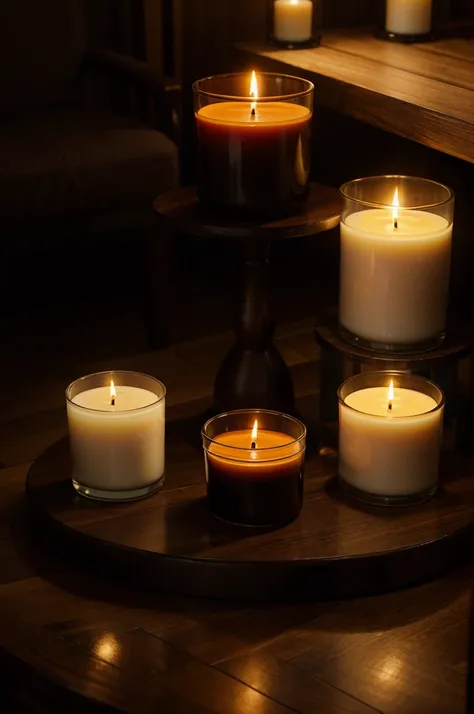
x,y
336,548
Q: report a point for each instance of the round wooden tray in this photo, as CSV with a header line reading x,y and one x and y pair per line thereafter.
x,y
336,548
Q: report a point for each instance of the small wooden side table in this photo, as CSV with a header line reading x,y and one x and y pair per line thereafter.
x,y
253,374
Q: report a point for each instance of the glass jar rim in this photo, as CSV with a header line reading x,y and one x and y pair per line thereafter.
x,y
376,204
70,400
265,450
395,373
245,98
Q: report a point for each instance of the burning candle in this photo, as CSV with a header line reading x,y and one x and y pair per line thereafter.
x,y
292,22
390,427
253,143
116,432
254,467
395,261
408,17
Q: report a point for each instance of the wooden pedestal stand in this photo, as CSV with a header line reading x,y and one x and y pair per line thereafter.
x,y
253,373
337,547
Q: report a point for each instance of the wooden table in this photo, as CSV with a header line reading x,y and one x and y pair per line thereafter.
x,y
423,92
72,640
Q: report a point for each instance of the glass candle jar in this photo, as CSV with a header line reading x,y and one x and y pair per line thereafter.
x,y
390,429
293,23
254,462
406,20
117,435
395,260
253,135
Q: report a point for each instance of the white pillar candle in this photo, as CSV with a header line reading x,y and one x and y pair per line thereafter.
x,y
394,280
408,17
390,452
117,446
293,20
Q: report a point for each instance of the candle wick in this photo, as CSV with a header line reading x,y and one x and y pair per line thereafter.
x,y
390,405
395,223
252,113
253,445
112,401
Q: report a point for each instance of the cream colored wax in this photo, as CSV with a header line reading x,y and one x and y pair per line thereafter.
x,y
389,452
408,17
293,20
117,447
394,281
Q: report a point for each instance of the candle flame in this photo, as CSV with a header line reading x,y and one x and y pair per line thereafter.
x,y
113,393
253,92
391,394
395,207
255,430
253,85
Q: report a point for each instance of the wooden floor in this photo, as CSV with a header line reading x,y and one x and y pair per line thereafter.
x,y
72,641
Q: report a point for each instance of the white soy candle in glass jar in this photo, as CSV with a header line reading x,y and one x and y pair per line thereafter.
x,y
116,432
408,17
293,20
396,234
390,429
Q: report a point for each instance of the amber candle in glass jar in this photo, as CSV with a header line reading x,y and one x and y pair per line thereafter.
x,y
254,463
253,135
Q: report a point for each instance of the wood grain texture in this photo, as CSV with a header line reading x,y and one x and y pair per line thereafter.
x,y
457,71
335,548
454,47
84,643
425,95
72,640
